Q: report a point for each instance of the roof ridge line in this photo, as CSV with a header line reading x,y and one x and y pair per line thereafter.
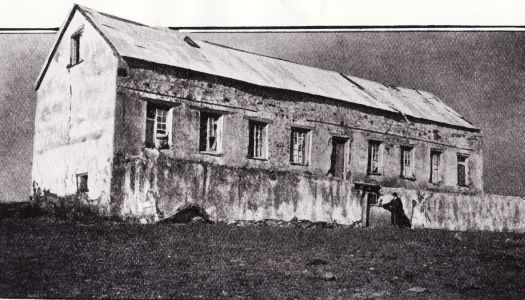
x,y
88,9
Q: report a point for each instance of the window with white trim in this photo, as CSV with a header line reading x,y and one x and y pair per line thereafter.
x,y
435,166
375,157
158,126
257,140
407,162
210,132
300,146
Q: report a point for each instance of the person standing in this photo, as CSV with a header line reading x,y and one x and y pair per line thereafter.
x,y
397,214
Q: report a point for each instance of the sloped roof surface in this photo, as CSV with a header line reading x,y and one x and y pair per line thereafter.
x,y
165,46
168,47
414,103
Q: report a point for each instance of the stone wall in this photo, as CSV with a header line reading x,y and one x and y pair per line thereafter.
x,y
154,185
461,212
189,93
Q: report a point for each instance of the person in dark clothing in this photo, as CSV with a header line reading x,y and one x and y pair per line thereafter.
x,y
397,214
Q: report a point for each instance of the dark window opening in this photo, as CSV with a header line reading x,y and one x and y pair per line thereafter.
x,y
462,170
75,48
82,183
337,159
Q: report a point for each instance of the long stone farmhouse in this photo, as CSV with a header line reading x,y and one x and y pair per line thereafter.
x,y
142,120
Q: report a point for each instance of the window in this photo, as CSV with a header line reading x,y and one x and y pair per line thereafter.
x,y
82,183
300,146
75,48
374,158
210,132
257,140
462,170
435,166
407,162
337,159
158,127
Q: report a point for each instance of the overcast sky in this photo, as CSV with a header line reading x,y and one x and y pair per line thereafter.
x,y
50,13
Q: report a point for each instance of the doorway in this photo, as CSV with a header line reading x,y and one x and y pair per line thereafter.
x,y
369,194
337,159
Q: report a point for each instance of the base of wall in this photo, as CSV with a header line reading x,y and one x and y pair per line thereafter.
x,y
152,186
155,185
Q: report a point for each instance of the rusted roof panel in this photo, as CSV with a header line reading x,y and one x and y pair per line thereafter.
x,y
165,46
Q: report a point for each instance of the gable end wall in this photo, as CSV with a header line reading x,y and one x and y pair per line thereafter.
x,y
74,120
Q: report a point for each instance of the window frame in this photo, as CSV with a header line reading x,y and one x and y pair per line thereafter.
x,y
75,47
333,160
465,158
81,189
168,126
411,170
210,115
370,160
252,124
435,179
306,147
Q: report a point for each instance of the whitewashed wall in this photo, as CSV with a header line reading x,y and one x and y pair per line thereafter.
x,y
74,120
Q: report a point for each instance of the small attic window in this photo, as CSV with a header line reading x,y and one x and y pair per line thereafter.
x,y
75,48
191,42
82,183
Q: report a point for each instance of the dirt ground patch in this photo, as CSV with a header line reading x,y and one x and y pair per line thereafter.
x,y
41,257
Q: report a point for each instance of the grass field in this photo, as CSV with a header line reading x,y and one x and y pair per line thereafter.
x,y
41,257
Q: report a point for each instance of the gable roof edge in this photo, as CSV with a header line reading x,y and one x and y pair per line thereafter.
x,y
61,35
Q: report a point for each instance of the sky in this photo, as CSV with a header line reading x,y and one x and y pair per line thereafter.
x,y
480,74
50,13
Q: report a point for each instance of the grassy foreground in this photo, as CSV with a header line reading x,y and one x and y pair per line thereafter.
x,y
43,258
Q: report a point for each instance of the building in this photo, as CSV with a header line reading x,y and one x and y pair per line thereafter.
x,y
140,120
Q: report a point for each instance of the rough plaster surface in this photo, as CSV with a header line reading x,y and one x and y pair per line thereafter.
x,y
74,117
460,212
189,93
154,185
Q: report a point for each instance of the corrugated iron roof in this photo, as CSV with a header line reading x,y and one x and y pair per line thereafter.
x,y
165,46
168,47
414,103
